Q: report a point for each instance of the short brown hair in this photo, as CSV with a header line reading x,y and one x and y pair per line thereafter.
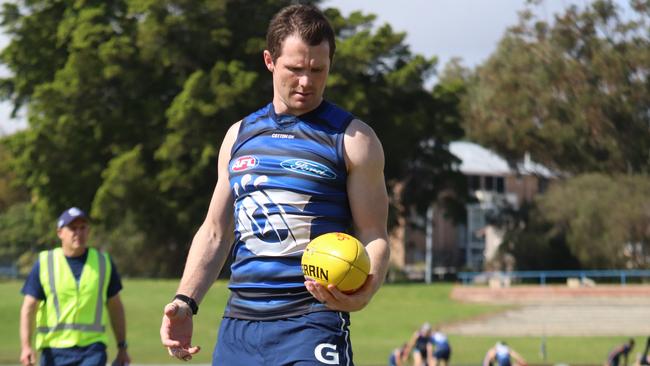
x,y
305,20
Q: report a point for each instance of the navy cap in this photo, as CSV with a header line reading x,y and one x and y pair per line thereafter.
x,y
69,216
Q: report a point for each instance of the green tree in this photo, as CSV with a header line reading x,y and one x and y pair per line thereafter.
x,y
606,218
574,92
18,232
22,237
532,239
134,97
10,192
105,112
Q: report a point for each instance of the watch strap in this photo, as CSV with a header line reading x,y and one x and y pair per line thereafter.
x,y
189,301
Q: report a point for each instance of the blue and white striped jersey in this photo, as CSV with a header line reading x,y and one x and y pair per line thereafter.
x,y
288,178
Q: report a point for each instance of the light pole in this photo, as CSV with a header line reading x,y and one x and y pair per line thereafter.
x,y
429,243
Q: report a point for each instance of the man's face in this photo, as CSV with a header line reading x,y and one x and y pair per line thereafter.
x,y
74,235
299,75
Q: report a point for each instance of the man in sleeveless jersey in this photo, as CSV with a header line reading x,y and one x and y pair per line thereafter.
x,y
502,355
68,294
297,168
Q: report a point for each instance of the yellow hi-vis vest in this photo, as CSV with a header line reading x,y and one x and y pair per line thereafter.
x,y
73,314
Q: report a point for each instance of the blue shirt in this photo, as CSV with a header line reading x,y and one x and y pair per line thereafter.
x,y
502,355
288,179
33,286
440,341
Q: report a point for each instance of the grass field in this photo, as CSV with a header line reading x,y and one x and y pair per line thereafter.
x,y
396,311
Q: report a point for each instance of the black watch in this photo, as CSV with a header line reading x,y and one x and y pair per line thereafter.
x,y
122,345
189,301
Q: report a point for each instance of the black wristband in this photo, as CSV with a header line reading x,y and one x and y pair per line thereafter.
x,y
122,345
189,301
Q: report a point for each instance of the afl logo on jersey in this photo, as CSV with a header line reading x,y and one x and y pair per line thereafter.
x,y
308,167
243,163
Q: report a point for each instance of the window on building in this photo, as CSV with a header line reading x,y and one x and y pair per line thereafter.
x,y
475,222
501,186
473,182
489,183
542,184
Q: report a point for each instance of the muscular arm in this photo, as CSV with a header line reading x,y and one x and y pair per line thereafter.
x,y
368,201
212,241
368,197
207,255
27,320
118,323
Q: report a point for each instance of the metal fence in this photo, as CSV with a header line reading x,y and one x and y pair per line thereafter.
x,y
8,271
541,277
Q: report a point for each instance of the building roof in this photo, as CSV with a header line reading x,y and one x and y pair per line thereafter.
x,y
478,160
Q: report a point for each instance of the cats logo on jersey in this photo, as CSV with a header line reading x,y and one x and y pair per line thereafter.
x,y
271,221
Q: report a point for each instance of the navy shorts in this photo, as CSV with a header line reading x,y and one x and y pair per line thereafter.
x,y
442,353
93,355
319,338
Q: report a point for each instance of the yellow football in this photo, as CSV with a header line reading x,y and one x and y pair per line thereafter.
x,y
338,259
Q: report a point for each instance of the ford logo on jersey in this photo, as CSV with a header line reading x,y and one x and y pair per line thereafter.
x,y
308,167
244,163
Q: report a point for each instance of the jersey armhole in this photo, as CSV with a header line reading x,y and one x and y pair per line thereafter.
x,y
340,144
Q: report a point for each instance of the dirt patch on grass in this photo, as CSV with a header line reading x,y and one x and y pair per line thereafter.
x,y
560,311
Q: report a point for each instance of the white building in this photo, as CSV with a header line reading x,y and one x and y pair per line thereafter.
x,y
494,184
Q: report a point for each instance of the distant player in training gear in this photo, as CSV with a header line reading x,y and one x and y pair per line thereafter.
x,y
502,355
614,357
399,356
421,346
297,168
442,349
644,360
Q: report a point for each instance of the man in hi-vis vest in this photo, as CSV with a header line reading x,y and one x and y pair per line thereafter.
x,y
69,294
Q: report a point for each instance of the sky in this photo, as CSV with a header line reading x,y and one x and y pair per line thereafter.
x,y
468,29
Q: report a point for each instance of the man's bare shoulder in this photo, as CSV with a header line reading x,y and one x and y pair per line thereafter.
x,y
358,126
362,144
234,128
231,134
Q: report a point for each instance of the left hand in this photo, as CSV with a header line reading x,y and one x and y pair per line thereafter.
x,y
122,358
334,299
